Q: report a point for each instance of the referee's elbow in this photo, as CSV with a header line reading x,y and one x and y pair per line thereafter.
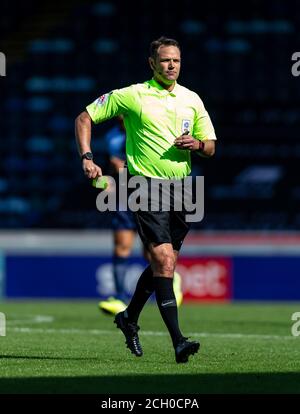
x,y
210,148
83,118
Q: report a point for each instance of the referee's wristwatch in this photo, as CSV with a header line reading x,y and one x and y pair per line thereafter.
x,y
87,156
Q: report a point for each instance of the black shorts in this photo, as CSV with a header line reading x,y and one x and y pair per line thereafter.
x,y
162,227
158,225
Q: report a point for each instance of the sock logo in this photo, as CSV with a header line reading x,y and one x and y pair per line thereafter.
x,y
166,303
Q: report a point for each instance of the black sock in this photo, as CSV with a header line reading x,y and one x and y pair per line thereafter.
x,y
143,291
166,302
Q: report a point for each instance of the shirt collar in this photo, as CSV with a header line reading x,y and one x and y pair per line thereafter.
x,y
156,85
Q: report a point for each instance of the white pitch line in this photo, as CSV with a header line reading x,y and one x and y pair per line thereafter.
x,y
149,333
28,319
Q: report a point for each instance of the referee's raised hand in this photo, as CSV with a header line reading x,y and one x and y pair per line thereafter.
x,y
91,170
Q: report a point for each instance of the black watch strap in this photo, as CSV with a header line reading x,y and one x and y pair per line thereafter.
x,y
201,146
87,156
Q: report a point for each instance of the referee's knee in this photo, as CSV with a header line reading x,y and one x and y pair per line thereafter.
x,y
164,264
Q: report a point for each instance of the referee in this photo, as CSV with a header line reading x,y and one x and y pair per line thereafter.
x,y
164,122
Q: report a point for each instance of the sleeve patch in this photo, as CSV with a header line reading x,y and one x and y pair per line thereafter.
x,y
102,99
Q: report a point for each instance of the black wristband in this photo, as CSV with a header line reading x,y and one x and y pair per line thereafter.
x,y
201,146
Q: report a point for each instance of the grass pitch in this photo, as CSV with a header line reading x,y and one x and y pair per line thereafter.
x,y
70,347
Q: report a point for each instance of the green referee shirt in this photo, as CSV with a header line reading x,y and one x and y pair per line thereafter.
x,y
153,118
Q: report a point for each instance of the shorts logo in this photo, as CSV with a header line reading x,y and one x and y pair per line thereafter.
x,y
102,99
186,125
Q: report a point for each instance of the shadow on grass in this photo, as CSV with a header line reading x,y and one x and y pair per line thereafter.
x,y
253,383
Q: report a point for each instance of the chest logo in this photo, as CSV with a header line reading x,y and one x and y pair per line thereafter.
x,y
186,126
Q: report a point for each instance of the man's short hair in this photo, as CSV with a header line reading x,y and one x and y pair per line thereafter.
x,y
162,41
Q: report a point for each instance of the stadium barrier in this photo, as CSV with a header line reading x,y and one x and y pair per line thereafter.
x,y
213,266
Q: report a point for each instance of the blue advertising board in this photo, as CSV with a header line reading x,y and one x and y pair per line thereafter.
x,y
266,278
65,276
80,276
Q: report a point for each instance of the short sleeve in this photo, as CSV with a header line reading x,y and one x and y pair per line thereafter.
x,y
111,104
203,127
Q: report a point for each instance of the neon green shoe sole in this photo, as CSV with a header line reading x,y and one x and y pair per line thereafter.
x,y
112,306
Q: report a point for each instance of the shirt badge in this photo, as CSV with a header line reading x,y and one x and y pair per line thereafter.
x,y
186,126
